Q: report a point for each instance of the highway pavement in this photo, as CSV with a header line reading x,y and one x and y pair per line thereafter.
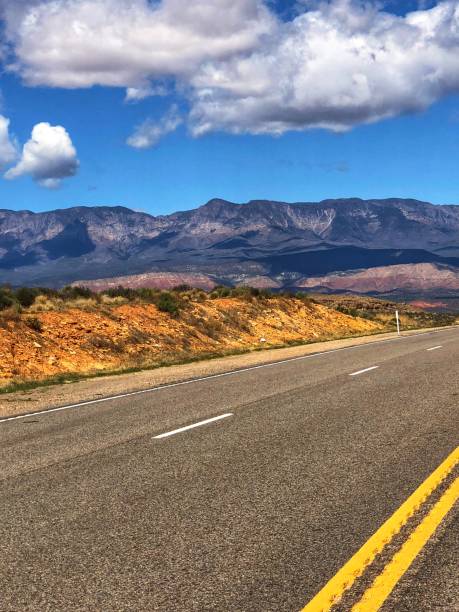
x,y
245,491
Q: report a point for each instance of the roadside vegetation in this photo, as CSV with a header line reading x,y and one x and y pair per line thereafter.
x,y
47,334
42,299
381,310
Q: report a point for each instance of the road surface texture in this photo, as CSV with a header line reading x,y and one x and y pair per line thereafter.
x,y
254,510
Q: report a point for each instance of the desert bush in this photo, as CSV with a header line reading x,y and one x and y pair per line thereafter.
x,y
352,312
26,296
244,293
120,291
220,291
212,328
6,299
12,313
195,295
102,342
83,303
112,301
70,293
34,324
305,298
370,315
168,302
145,294
182,288
44,303
208,326
266,294
137,336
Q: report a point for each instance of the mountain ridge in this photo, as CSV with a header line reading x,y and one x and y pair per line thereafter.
x,y
232,242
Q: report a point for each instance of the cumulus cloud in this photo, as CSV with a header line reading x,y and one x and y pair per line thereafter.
x,y
8,150
242,69
334,67
80,43
49,156
150,132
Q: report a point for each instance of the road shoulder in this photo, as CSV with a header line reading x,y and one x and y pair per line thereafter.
x,y
42,398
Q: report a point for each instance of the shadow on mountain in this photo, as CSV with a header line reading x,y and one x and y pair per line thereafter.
x,y
349,258
73,241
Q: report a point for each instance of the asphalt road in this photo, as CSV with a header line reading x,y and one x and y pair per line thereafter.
x,y
255,511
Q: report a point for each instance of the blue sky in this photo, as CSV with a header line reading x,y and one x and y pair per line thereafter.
x,y
411,153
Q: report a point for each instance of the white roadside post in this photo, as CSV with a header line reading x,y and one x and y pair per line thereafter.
x,y
398,322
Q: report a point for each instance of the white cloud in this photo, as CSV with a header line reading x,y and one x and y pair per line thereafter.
x,y
136,94
49,156
334,67
80,43
150,132
239,67
8,150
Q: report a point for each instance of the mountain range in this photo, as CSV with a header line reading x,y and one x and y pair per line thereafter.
x,y
266,243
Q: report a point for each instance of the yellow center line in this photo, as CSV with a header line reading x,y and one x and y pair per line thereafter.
x,y
332,592
384,583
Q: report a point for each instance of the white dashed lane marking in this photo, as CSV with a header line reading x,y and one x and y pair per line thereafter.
x,y
187,427
362,371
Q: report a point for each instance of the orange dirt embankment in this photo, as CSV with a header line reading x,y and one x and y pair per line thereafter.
x,y
90,340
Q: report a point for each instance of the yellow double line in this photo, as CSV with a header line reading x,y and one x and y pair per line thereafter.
x,y
384,583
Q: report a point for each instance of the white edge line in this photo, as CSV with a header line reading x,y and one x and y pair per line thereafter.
x,y
198,424
212,376
365,370
433,348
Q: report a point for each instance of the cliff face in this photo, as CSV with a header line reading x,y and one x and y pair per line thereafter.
x,y
227,241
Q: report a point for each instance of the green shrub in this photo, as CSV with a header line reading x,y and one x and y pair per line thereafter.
x,y
182,288
70,293
367,314
168,302
26,296
6,299
145,294
352,312
220,291
120,291
245,293
48,292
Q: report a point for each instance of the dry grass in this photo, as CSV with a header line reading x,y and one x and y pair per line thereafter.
x,y
112,301
45,304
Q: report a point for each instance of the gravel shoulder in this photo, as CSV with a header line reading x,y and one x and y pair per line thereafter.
x,y
41,398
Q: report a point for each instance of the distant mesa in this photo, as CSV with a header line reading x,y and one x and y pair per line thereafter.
x,y
409,278
155,280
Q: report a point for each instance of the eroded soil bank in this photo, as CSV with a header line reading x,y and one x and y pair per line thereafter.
x,y
87,340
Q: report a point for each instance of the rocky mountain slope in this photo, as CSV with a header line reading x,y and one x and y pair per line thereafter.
x,y
272,243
